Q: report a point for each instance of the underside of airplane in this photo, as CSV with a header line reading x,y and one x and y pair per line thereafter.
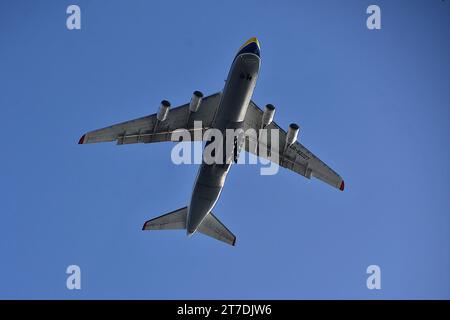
x,y
231,108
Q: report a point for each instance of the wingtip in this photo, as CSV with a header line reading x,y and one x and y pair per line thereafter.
x,y
81,141
342,186
234,242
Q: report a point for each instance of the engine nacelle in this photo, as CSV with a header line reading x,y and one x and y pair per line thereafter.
x,y
292,134
268,114
163,110
195,101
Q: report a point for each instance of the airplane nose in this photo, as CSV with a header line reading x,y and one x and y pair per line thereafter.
x,y
250,46
251,40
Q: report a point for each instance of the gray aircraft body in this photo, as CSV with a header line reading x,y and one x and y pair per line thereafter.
x,y
230,109
236,96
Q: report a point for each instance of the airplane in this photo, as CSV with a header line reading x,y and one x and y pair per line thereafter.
x,y
231,108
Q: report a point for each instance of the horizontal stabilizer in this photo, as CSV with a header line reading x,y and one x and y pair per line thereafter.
x,y
172,220
211,226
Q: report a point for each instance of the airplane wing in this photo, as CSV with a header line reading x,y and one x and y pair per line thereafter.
x,y
296,157
149,129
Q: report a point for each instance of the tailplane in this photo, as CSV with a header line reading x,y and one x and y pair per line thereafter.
x,y
169,221
210,226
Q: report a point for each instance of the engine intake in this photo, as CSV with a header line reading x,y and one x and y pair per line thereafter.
x,y
163,110
267,116
292,134
195,101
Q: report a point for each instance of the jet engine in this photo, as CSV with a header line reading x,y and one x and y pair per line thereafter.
x,y
292,134
267,116
163,110
195,101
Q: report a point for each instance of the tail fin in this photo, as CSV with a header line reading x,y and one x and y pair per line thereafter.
x,y
210,226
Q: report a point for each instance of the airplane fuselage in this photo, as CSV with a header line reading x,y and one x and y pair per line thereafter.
x,y
235,99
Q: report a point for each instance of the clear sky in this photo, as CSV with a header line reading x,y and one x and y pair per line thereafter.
x,y
373,104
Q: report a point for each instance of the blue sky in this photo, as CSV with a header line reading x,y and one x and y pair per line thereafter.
x,y
374,105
